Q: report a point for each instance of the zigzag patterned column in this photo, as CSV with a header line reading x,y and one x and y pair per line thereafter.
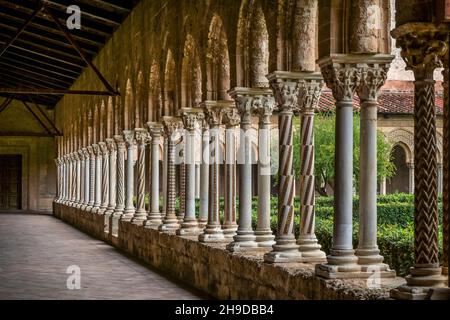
x,y
310,90
231,119
421,50
120,204
446,170
105,177
189,226
213,231
182,185
154,218
172,126
285,88
142,138
342,77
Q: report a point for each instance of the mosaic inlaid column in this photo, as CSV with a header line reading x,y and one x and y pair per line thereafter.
x,y
285,88
213,231
81,179
154,218
246,101
86,178
104,153
373,76
263,232
112,152
310,89
128,136
422,50
142,138
98,178
91,178
204,176
120,188
189,226
231,119
182,181
445,170
172,128
342,77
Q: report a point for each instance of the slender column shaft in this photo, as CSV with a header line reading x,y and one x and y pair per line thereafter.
x,y
81,175
112,151
410,178
66,179
86,178
121,150
446,172
204,177
164,175
182,185
129,176
98,178
91,177
104,154
154,218
73,166
58,181
197,181
440,178
142,137
78,177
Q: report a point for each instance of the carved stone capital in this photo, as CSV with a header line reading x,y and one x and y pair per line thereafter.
x,y
120,142
128,137
156,129
372,79
285,89
231,117
90,150
142,136
172,125
110,144
214,115
103,149
191,117
81,155
423,45
309,94
342,79
86,153
96,149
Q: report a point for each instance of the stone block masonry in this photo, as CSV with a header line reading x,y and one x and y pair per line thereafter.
x,y
214,270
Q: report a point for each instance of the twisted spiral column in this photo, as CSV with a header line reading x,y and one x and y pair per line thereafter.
x,y
120,203
285,88
105,177
112,151
172,125
98,178
142,137
182,186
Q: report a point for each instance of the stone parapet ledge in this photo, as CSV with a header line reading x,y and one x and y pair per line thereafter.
x,y
224,275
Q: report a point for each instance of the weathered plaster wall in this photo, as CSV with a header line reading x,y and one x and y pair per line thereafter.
x,y
38,169
214,270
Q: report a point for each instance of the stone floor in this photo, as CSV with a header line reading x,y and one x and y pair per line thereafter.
x,y
37,250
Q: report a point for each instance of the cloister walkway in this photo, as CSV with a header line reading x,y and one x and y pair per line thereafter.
x,y
36,250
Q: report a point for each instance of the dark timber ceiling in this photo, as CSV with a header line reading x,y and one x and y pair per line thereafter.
x,y
41,57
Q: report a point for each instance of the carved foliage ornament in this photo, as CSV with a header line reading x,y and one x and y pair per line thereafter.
x,y
342,80
286,93
142,136
231,117
190,119
371,80
214,116
111,145
309,95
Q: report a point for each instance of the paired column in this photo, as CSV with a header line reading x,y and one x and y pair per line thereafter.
x,y
410,166
154,218
231,119
91,178
77,159
120,188
105,178
112,152
182,185
372,78
142,138
172,128
213,231
189,226
73,166
342,77
421,50
86,179
310,89
81,178
285,88
204,176
128,136
98,178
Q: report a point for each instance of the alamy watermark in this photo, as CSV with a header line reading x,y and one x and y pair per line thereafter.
x,y
73,282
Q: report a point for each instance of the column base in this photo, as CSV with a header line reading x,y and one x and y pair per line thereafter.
x,y
202,223
264,238
284,251
342,264
170,224
440,294
107,218
445,271
212,234
154,220
114,223
407,292
78,206
230,230
310,251
101,211
83,207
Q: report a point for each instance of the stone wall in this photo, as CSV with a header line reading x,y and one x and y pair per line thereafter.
x,y
215,271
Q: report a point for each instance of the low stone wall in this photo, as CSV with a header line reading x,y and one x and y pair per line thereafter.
x,y
217,272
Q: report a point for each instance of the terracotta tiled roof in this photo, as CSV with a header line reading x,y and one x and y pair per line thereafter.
x,y
391,102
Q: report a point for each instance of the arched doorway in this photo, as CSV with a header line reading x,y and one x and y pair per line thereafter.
x,y
399,183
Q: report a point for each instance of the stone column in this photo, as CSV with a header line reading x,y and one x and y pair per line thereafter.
x,y
77,160
410,166
66,178
81,178
91,178
285,88
373,76
98,178
112,152
172,128
86,178
182,185
310,90
231,119
164,174
264,110
247,100
421,50
120,190
142,138
445,170
440,177
204,176
213,231
128,136
58,180
154,218
73,185
197,179
383,187
342,77
189,226
105,178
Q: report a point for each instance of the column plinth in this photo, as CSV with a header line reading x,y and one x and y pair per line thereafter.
x,y
90,205
154,218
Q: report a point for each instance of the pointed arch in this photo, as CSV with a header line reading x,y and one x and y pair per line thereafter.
x,y
217,61
155,97
191,75
139,102
127,110
169,85
102,120
109,117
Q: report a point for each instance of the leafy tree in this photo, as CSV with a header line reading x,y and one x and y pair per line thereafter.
x,y
324,131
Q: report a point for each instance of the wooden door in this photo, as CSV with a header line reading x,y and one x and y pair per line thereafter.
x,y
10,182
